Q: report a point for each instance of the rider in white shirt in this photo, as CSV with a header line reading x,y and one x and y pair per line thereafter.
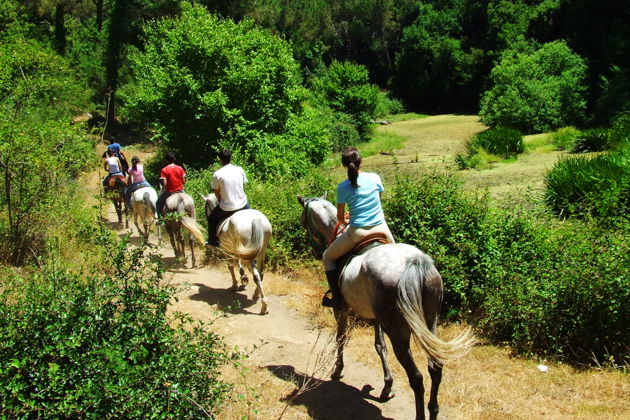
x,y
228,186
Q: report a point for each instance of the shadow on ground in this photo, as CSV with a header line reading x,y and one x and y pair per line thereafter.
x,y
329,399
224,299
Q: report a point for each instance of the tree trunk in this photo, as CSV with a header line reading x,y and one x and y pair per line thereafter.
x,y
60,29
99,14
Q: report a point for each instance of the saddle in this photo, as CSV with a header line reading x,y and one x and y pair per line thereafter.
x,y
370,241
116,183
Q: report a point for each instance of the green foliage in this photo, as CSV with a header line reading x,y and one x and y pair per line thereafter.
x,y
435,70
201,80
564,138
599,186
591,140
536,91
557,290
345,88
280,205
40,151
502,142
619,136
102,346
387,105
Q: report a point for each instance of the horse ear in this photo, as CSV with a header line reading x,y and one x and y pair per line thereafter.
x,y
301,200
205,197
323,197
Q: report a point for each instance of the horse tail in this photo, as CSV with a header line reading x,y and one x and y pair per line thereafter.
x,y
146,197
189,222
247,251
409,303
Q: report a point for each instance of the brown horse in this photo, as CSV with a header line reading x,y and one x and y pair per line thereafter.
x,y
114,190
398,287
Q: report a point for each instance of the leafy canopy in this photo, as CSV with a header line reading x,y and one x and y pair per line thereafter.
x,y
536,90
201,80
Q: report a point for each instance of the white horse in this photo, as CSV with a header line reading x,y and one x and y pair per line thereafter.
x,y
143,205
179,211
244,238
398,287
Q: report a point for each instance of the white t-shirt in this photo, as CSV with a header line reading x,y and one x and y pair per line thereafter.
x,y
230,180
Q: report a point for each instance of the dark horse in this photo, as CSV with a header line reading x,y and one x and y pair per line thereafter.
x,y
114,190
398,287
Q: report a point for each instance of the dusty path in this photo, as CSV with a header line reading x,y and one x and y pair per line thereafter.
x,y
288,348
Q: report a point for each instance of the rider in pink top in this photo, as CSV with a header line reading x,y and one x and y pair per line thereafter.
x,y
135,178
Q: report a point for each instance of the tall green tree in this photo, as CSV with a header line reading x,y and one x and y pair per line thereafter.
x,y
201,80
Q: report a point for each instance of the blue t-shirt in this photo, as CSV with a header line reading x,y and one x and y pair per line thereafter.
x,y
364,202
116,148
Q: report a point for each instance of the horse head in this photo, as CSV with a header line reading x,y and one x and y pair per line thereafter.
x,y
211,203
318,218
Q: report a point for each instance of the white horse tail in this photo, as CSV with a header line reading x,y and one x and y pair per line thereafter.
x,y
146,197
189,222
409,303
247,251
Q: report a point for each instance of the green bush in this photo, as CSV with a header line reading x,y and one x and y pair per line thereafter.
x,y
500,141
387,105
558,290
591,140
102,346
201,80
619,137
484,147
599,186
564,138
536,91
345,88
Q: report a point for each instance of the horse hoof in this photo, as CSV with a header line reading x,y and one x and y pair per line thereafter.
x,y
244,280
386,396
233,289
336,376
264,311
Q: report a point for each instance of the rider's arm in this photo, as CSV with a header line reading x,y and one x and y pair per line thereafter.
x,y
105,165
341,212
217,193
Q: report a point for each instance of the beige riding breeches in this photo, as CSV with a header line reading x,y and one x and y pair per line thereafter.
x,y
348,239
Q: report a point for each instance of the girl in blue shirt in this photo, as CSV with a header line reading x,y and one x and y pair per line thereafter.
x,y
362,192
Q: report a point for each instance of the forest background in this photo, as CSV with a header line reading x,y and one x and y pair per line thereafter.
x,y
284,84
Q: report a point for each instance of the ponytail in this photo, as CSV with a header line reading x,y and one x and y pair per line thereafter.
x,y
351,159
353,175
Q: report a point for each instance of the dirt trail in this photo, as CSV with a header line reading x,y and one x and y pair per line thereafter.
x,y
288,346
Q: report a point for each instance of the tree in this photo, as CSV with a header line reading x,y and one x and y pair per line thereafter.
x,y
536,90
345,88
201,80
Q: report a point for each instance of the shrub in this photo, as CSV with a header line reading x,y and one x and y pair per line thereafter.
x,y
619,138
591,140
482,147
387,105
500,141
201,80
536,91
599,186
558,290
345,88
563,138
102,346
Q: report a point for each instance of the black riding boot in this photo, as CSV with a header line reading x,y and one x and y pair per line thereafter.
x,y
334,301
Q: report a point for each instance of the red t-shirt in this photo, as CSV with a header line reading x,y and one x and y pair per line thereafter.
x,y
174,176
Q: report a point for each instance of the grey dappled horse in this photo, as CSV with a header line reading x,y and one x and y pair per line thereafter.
x,y
398,287
244,237
143,205
179,210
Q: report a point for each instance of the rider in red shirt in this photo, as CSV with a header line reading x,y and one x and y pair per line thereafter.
x,y
172,178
